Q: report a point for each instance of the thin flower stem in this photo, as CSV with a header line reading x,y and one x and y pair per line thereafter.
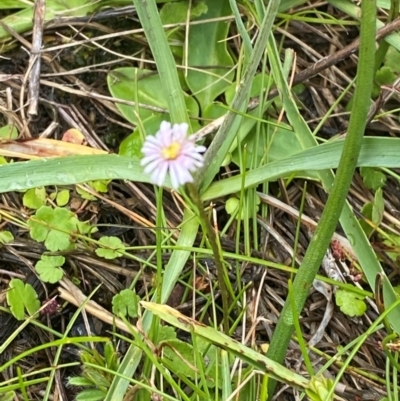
x,y
210,234
330,215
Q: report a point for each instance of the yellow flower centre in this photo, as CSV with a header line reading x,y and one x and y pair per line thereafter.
x,y
171,152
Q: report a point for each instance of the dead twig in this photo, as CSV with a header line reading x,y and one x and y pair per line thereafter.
x,y
34,61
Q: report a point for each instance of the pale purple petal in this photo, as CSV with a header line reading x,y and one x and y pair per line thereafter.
x,y
200,149
150,139
182,157
179,176
153,166
180,131
149,159
164,126
174,177
161,173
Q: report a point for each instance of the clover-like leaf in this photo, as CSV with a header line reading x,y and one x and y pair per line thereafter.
x,y
350,304
126,303
112,247
232,205
6,237
34,198
53,226
373,178
48,268
98,185
62,197
85,194
22,296
8,132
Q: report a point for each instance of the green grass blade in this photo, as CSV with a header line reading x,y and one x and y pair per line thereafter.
x,y
172,271
375,152
155,34
362,248
350,8
227,132
20,176
247,354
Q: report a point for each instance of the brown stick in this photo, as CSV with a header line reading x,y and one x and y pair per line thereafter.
x,y
34,61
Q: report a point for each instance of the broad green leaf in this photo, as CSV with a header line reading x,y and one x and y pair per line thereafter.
x,y
131,146
112,247
53,226
22,296
91,395
385,76
125,303
62,197
23,20
15,298
175,13
34,198
210,73
373,178
214,110
259,83
8,132
181,355
166,333
232,205
249,208
48,268
5,4
98,185
79,381
350,303
273,142
144,87
6,237
392,60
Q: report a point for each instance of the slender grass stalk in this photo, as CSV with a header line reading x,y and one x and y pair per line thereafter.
x,y
219,260
227,132
384,46
337,197
166,67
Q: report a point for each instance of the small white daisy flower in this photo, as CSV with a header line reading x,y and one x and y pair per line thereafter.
x,y
171,151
